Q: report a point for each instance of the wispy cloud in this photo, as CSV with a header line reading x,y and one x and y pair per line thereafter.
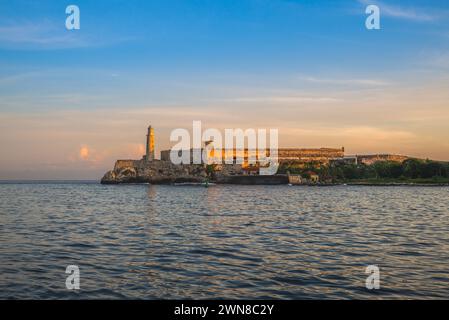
x,y
44,35
285,99
17,78
357,82
400,12
47,35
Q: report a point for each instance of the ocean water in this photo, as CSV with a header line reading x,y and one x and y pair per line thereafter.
x,y
280,242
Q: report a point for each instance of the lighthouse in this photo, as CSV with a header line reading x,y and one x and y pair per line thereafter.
x,y
150,145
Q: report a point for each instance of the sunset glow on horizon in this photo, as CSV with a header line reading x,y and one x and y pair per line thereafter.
x,y
72,102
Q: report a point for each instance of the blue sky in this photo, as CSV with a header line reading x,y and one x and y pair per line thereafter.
x,y
303,66
178,40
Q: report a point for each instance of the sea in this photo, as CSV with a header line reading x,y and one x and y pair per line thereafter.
x,y
141,241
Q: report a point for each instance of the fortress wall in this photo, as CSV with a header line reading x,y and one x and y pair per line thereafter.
x,y
310,153
370,159
165,155
321,154
120,164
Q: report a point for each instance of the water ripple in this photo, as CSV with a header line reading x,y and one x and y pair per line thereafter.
x,y
259,242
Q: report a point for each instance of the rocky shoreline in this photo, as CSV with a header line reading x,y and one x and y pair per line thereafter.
x,y
165,172
156,172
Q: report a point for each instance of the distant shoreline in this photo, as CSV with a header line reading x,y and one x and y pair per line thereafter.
x,y
402,184
49,181
352,184
336,184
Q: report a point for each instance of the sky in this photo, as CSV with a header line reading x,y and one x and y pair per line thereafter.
x,y
74,101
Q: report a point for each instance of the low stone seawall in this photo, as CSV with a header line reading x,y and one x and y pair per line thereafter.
x,y
252,180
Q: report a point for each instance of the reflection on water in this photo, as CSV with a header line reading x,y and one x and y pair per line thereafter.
x,y
141,241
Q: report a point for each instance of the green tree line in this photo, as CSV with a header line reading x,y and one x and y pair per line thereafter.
x,y
382,170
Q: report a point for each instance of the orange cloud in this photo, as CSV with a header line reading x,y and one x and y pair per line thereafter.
x,y
84,153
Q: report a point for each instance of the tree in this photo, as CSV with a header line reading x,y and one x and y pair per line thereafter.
x,y
411,168
429,169
395,169
350,171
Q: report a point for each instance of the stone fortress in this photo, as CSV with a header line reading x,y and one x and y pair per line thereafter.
x,y
152,170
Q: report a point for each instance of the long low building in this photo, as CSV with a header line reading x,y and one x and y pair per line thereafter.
x,y
285,155
321,155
